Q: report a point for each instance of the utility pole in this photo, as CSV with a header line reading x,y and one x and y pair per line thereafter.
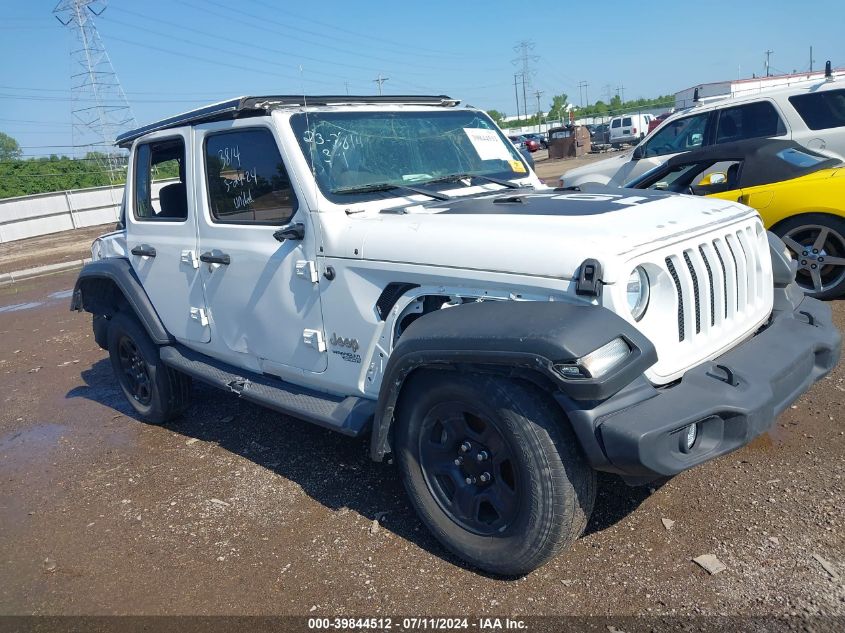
x,y
99,110
811,59
539,117
620,90
768,59
583,84
524,98
380,80
516,94
346,83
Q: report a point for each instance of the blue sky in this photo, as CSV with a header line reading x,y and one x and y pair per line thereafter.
x,y
173,55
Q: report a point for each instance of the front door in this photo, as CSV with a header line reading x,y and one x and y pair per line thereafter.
x,y
161,233
261,290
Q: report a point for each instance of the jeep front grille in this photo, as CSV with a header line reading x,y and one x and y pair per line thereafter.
x,y
717,282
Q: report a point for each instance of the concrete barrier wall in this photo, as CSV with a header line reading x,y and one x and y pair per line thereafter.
x,y
30,216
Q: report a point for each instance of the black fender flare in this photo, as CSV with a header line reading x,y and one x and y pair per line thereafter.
x,y
516,337
99,289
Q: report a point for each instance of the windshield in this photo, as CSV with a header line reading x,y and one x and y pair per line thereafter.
x,y
358,156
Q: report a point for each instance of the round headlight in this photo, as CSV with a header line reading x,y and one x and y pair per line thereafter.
x,y
637,291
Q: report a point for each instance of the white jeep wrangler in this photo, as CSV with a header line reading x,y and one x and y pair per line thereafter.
x,y
391,266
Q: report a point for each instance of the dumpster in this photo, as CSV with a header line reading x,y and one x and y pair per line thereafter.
x,y
569,141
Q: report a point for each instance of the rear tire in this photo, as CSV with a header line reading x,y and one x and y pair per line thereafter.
x,y
817,242
538,493
156,392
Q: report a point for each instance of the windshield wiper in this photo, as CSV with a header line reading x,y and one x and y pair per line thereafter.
x,y
386,186
458,177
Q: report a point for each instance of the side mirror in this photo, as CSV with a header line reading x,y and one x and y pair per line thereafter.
x,y
715,178
290,232
661,186
639,152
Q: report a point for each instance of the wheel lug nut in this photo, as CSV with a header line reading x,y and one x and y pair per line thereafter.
x,y
821,259
459,461
813,266
815,250
803,262
465,447
485,477
805,253
481,456
470,480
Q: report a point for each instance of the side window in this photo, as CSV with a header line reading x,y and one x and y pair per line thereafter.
x,y
677,136
626,122
161,160
616,123
753,120
821,110
246,178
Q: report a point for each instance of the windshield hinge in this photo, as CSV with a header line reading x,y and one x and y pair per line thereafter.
x,y
589,278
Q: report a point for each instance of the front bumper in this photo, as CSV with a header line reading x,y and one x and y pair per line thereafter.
x,y
639,431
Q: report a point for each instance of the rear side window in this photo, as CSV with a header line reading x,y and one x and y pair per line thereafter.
x,y
677,136
752,120
616,123
246,179
821,110
626,121
161,160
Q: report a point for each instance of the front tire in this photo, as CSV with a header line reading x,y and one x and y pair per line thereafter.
x,y
493,469
156,392
817,242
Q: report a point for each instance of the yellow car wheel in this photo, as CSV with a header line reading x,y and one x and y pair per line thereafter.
x,y
817,242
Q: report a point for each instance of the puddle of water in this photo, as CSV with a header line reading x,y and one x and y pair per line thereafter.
x,y
55,296
24,446
17,307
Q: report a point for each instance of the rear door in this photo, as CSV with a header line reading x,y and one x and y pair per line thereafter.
x,y
262,294
822,120
161,232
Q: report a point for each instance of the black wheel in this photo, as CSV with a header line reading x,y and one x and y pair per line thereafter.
x,y
817,242
155,391
492,468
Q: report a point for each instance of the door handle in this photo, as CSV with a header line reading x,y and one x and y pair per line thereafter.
x,y
210,258
144,250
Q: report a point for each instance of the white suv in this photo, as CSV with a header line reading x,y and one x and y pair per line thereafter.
x,y
811,113
389,267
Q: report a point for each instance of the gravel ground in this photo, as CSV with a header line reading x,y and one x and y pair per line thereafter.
x,y
236,510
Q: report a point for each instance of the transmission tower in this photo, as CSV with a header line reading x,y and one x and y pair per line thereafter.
x,y
99,108
525,59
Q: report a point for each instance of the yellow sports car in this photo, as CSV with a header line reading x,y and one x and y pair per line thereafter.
x,y
799,193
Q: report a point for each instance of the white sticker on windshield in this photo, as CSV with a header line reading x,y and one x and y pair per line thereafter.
x,y
488,144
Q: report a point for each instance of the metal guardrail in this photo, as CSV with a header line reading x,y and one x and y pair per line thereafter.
x,y
44,213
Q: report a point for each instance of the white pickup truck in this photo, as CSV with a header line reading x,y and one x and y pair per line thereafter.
x,y
390,266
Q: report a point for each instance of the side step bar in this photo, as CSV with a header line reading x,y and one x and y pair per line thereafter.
x,y
350,416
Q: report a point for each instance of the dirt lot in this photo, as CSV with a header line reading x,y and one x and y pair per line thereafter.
x,y
236,510
49,249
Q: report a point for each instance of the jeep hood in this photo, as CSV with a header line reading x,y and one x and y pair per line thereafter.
x,y
535,233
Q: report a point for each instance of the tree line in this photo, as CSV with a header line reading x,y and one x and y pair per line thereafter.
x,y
560,104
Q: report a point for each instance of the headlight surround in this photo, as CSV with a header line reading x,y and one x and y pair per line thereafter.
x,y
637,292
